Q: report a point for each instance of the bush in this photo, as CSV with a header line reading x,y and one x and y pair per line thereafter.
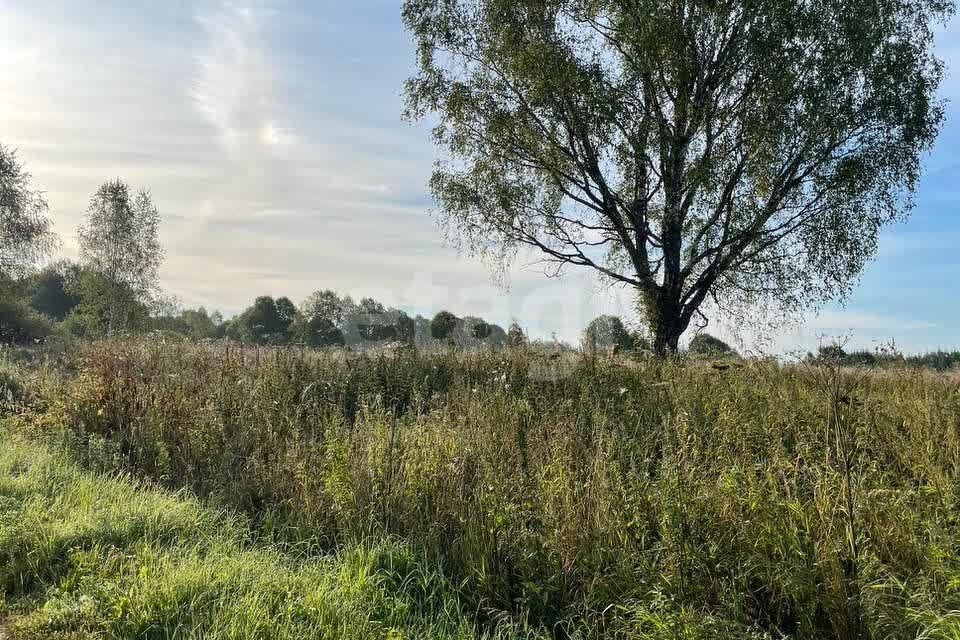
x,y
19,324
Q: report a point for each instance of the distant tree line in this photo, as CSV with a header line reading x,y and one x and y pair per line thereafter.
x,y
78,300
938,360
114,288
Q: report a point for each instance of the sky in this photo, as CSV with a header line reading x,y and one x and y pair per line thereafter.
x,y
270,135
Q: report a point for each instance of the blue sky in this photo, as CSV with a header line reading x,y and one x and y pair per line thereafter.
x,y
271,138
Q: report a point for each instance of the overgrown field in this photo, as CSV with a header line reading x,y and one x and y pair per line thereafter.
x,y
499,494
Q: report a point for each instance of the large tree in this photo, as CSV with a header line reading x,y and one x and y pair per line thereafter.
x,y
25,228
744,152
119,241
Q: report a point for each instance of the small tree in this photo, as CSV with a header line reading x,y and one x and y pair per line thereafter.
x,y
481,331
102,302
406,328
328,305
199,324
25,229
21,324
371,306
606,332
515,336
443,325
317,332
704,344
119,241
286,310
266,322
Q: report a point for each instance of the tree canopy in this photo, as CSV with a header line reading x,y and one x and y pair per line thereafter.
x,y
607,331
267,321
54,291
481,330
704,344
742,153
119,241
443,325
25,229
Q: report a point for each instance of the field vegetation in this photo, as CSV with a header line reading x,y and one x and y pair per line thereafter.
x,y
512,494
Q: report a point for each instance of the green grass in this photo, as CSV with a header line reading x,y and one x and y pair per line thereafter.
x,y
90,556
503,495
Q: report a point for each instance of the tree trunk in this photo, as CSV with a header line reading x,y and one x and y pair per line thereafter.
x,y
666,337
667,322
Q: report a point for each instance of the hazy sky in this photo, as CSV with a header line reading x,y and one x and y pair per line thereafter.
x,y
271,138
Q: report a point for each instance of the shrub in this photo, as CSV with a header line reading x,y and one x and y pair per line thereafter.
x,y
19,324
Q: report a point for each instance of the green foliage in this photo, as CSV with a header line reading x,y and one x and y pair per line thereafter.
x,y
704,344
316,332
366,324
481,330
371,306
443,325
12,389
748,152
406,328
104,307
195,324
54,291
199,324
374,323
937,360
265,322
608,501
26,233
329,305
111,558
119,243
19,324
887,358
640,341
605,332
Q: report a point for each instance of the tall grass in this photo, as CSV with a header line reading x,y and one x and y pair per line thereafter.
x,y
88,556
583,498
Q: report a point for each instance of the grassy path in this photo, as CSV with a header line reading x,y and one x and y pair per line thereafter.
x,y
90,556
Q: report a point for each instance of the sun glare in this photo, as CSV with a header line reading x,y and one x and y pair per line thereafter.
x,y
269,136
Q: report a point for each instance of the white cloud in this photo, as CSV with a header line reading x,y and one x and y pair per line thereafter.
x,y
234,85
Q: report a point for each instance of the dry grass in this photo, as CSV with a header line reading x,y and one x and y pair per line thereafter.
x,y
581,498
